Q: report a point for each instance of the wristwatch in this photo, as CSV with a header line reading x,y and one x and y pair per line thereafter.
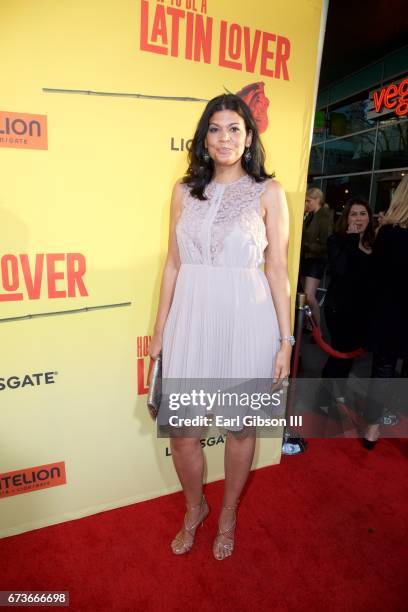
x,y
290,339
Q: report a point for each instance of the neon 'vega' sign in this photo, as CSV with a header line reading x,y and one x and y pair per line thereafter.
x,y
394,97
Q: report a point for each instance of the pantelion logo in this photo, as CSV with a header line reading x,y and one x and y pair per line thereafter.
x,y
23,131
32,479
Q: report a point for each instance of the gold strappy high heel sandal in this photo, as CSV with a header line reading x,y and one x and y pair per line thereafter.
x,y
181,545
224,540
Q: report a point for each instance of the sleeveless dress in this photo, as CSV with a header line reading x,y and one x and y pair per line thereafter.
x,y
222,322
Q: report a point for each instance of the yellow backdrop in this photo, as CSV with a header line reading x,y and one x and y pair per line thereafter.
x,y
88,166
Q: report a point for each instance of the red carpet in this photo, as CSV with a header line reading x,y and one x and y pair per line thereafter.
x,y
325,530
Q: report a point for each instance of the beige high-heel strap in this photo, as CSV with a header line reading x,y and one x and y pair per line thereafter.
x,y
179,544
200,518
232,507
232,526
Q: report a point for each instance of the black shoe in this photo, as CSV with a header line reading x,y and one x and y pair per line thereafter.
x,y
369,444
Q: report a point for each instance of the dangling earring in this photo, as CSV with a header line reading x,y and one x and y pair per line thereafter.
x,y
206,157
247,155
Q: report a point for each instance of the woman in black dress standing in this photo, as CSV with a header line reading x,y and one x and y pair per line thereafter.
x,y
348,294
389,329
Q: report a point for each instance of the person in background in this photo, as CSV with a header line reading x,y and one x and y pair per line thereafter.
x,y
317,226
348,294
389,323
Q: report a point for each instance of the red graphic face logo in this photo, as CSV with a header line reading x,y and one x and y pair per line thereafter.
x,y
254,96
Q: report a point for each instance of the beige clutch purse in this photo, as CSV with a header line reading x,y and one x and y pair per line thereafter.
x,y
155,388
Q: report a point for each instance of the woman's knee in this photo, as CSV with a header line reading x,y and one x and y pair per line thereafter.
x,y
310,288
311,299
180,445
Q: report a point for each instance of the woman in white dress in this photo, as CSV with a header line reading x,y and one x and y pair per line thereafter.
x,y
220,315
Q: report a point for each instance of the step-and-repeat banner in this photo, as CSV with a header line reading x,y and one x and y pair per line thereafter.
x,y
99,102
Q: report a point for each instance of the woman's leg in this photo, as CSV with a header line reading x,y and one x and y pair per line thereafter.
x,y
239,454
188,460
310,286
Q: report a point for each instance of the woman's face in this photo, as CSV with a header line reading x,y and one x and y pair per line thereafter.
x,y
226,138
358,216
312,204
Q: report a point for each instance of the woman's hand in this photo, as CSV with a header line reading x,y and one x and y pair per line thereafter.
x,y
282,363
155,347
353,229
156,344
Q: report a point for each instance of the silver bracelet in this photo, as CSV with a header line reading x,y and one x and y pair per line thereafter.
x,y
290,339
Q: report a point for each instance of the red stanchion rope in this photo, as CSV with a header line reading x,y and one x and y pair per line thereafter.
x,y
317,335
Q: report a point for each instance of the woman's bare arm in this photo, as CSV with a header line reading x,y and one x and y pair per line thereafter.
x,y
170,272
276,266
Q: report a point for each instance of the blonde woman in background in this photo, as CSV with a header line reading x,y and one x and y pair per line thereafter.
x,y
317,227
389,327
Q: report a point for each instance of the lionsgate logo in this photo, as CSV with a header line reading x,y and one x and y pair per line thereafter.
x,y
27,380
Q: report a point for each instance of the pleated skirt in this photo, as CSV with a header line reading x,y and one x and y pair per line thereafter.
x,y
221,336
222,324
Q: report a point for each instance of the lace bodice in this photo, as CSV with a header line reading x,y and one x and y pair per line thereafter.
x,y
227,229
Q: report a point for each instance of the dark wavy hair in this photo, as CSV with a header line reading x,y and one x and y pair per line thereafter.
x,y
342,223
200,172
